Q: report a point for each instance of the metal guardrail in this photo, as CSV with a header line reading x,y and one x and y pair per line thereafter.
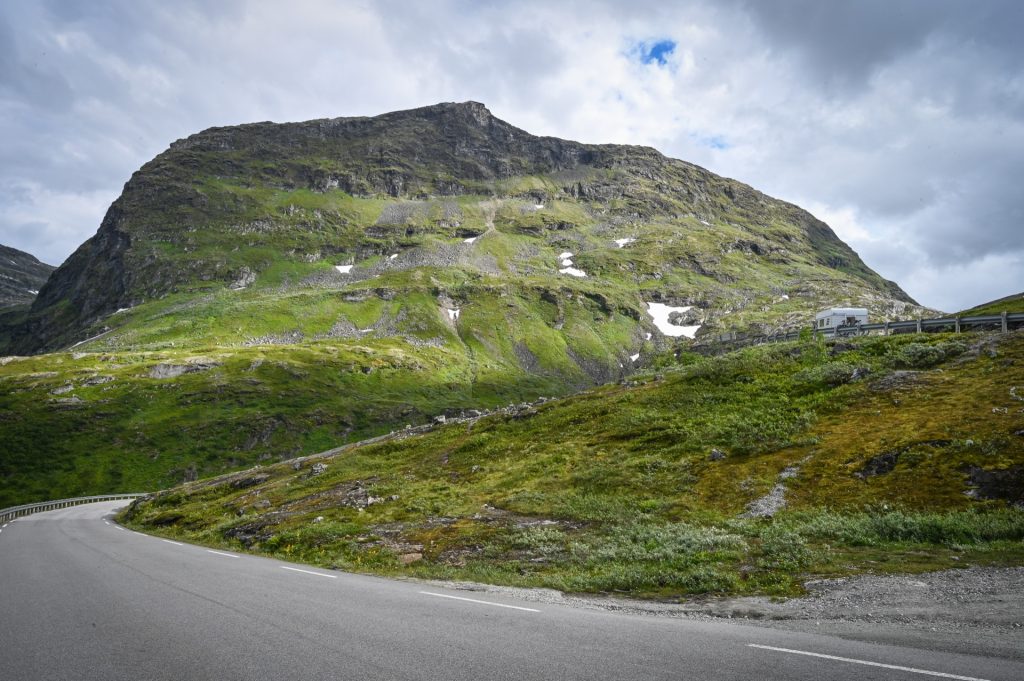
x,y
1003,322
8,514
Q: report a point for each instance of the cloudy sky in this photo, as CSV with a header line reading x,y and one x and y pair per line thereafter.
x,y
898,122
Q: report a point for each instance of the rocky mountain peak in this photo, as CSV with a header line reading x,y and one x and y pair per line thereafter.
x,y
228,204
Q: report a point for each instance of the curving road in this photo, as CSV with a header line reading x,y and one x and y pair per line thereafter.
x,y
82,598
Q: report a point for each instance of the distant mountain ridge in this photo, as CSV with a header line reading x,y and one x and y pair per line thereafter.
x,y
21,276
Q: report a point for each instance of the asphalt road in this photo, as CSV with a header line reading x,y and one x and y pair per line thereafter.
x,y
83,599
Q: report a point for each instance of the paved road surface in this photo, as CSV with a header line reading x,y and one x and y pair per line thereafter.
x,y
83,599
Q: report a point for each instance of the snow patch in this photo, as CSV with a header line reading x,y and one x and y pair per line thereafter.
x,y
708,224
454,314
635,357
565,259
784,297
344,269
392,256
470,240
538,206
624,242
89,339
121,309
648,335
31,291
660,313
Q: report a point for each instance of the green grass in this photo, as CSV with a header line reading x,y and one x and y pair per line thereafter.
x,y
1014,303
614,489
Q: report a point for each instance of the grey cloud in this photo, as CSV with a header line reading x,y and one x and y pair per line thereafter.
x,y
844,43
24,77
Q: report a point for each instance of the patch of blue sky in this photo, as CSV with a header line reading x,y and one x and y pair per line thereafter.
x,y
654,52
711,141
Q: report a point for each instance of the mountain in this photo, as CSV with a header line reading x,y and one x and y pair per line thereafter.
x,y
265,291
265,207
21,277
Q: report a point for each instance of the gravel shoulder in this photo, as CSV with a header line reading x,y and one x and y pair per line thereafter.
x,y
977,610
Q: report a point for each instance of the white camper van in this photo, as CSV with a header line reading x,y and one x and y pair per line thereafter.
x,y
846,318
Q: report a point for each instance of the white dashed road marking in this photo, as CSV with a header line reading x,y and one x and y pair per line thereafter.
x,y
308,572
221,553
473,600
868,663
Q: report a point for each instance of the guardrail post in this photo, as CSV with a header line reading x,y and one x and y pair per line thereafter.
x,y
956,325
919,325
885,331
1006,326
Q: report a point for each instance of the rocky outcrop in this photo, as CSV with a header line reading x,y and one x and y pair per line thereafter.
x,y
21,277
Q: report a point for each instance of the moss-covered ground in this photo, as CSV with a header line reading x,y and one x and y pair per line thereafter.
x,y
891,454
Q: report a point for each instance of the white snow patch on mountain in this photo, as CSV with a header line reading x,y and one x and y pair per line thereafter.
x,y
660,313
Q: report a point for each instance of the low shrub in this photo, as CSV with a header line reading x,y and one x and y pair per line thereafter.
x,y
783,549
927,355
827,375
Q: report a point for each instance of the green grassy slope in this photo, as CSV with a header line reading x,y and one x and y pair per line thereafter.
x,y
89,423
899,453
1014,303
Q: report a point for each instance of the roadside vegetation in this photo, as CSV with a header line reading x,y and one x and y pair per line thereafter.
x,y
745,473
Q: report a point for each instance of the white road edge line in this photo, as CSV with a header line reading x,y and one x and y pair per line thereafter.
x,y
868,663
172,542
473,600
308,572
5,526
221,553
119,527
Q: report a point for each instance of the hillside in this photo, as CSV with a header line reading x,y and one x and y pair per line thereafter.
x,y
260,216
1014,303
21,277
275,289
744,473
